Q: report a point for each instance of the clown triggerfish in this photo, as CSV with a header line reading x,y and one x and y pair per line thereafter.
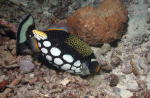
x,y
61,49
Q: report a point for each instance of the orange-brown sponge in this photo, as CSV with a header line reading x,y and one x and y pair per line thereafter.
x,y
97,25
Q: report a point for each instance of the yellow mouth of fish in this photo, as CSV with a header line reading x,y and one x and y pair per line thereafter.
x,y
40,34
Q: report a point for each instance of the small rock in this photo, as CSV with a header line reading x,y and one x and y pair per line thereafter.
x,y
13,51
107,68
103,24
65,82
126,68
6,58
143,64
31,75
115,61
131,83
104,49
26,65
113,79
47,80
125,93
2,78
11,45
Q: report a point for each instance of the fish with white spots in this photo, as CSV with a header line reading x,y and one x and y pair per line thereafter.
x,y
65,51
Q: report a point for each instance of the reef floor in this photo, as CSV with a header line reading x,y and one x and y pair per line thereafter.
x,y
127,70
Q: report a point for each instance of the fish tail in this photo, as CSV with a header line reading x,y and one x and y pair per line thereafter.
x,y
24,33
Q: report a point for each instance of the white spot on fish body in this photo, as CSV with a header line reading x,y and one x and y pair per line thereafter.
x,y
46,43
66,67
58,61
68,58
44,50
49,58
77,63
55,51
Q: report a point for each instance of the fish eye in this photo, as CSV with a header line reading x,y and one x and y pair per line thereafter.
x,y
30,35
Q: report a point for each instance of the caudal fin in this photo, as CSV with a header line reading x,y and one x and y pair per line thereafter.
x,y
23,34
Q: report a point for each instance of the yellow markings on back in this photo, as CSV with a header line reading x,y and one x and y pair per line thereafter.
x,y
54,29
83,48
39,33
